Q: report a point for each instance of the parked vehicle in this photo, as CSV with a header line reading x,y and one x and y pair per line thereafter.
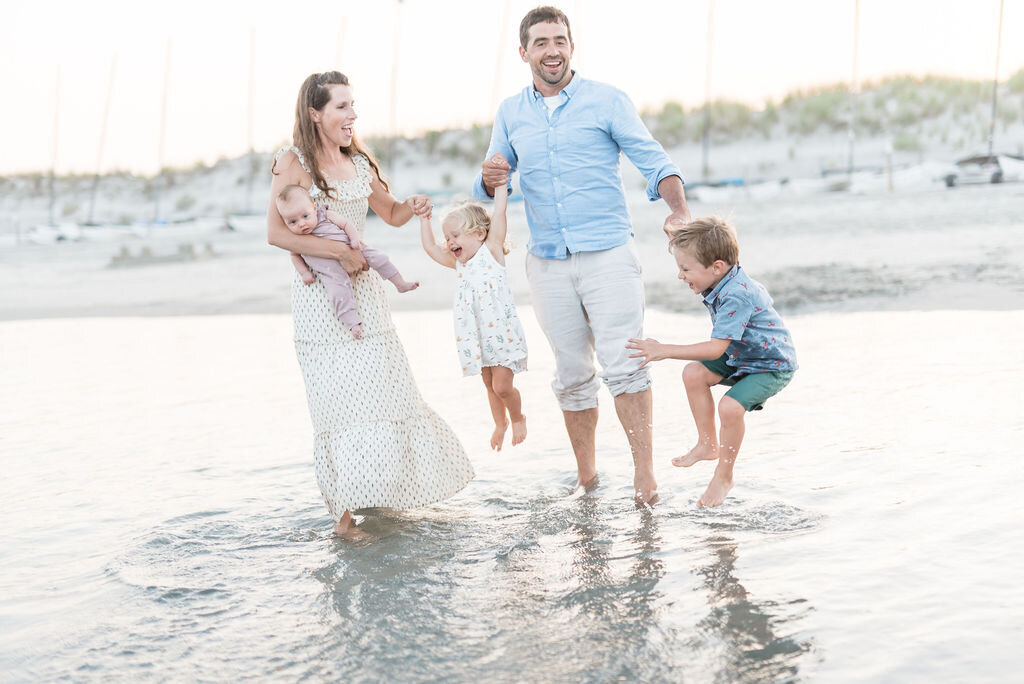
x,y
985,168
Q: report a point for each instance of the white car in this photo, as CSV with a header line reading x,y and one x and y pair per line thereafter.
x,y
985,169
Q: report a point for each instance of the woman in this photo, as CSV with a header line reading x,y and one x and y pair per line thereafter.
x,y
376,444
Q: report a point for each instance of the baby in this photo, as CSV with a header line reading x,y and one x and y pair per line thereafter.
x,y
302,217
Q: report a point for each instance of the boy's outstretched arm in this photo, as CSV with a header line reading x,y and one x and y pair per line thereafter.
x,y
430,246
651,350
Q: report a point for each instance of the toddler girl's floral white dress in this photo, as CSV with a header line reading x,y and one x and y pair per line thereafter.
x,y
487,327
375,442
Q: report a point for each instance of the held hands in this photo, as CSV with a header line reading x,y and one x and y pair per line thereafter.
x,y
675,221
649,350
494,172
420,204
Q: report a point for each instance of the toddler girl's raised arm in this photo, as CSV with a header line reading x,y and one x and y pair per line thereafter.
x,y
430,246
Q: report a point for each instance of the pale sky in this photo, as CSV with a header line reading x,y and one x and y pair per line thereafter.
x,y
455,58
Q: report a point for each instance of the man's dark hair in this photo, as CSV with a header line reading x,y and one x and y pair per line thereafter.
x,y
538,15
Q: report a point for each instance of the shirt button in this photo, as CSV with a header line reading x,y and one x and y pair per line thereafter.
x,y
559,204
563,230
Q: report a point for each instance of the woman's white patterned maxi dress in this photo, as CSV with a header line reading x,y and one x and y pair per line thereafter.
x,y
376,443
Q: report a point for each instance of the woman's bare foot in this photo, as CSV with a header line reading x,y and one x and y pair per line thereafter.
x,y
519,430
498,437
716,492
346,529
404,285
701,452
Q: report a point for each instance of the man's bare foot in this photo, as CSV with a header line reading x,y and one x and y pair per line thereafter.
x,y
499,435
645,489
701,452
716,492
349,531
588,486
308,278
404,285
519,430
357,331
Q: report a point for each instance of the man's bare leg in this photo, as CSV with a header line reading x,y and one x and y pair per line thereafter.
x,y
634,411
582,429
698,380
732,414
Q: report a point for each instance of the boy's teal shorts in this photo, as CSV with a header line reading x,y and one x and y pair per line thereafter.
x,y
750,390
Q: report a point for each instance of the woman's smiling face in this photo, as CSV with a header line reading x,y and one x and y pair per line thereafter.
x,y
337,118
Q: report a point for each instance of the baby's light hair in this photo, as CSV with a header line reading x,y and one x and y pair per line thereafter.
x,y
472,217
288,191
709,239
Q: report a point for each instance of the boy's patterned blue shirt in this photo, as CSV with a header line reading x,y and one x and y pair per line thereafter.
x,y
741,311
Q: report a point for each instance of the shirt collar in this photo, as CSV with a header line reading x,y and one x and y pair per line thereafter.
x,y
712,292
570,88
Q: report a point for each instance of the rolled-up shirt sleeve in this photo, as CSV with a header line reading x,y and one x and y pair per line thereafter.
x,y
639,146
499,145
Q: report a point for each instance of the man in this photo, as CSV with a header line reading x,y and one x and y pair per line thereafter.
x,y
563,134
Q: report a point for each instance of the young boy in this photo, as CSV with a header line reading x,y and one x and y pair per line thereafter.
x,y
749,349
302,217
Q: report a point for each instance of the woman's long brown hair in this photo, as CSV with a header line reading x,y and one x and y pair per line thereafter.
x,y
315,93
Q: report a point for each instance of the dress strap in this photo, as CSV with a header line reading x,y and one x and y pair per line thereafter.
x,y
292,148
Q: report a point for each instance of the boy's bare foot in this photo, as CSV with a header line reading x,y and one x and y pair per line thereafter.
x,y
518,430
590,485
499,435
349,532
357,331
404,285
701,452
308,278
716,492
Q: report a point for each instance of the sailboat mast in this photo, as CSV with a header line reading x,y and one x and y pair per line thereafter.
x,y
854,88
161,176
53,158
252,151
995,83
103,140
706,143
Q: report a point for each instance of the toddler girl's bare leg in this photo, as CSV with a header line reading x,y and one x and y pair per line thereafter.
x,y
380,263
698,380
502,384
497,410
732,414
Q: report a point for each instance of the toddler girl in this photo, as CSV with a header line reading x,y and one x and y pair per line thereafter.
x,y
488,335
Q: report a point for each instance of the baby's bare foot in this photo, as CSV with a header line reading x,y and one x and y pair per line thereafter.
x,y
357,331
498,437
518,430
716,492
308,278
701,452
404,285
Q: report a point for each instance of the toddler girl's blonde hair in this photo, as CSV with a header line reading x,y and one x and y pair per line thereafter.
x,y
473,218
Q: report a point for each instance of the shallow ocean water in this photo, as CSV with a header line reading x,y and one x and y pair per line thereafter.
x,y
161,519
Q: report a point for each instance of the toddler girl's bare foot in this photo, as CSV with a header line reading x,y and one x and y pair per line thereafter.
x,y
716,492
499,436
404,285
518,430
701,452
308,278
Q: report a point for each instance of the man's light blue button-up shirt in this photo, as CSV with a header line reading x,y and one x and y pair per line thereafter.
x,y
568,165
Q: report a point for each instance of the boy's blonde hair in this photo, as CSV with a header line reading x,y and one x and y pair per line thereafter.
x,y
709,239
471,218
